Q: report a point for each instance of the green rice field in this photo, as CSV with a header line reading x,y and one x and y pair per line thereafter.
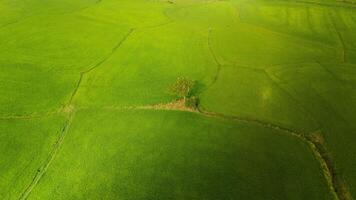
x,y
86,112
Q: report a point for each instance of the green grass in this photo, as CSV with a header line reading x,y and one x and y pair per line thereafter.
x,y
287,63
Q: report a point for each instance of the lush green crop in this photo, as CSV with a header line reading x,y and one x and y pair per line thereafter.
x,y
85,111
175,155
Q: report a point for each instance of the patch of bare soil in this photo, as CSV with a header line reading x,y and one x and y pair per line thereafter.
x,y
179,105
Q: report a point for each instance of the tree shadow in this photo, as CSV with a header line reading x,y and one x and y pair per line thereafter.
x,y
197,89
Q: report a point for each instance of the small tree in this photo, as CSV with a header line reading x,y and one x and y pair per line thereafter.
x,y
182,88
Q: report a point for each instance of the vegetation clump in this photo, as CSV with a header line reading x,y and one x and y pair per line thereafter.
x,y
192,102
183,90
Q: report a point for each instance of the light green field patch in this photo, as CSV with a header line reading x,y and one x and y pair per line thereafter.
x,y
10,14
208,14
175,155
15,11
257,47
135,14
64,42
42,57
25,145
28,89
253,94
146,64
310,23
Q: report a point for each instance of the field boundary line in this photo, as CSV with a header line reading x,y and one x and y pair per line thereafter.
x,y
43,169
215,58
30,116
113,50
98,64
154,26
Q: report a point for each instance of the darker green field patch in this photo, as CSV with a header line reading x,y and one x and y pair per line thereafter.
x,y
151,154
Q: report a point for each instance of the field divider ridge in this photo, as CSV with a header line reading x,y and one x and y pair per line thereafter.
x,y
83,73
215,58
43,169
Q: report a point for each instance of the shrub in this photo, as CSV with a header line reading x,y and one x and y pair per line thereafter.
x,y
192,102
